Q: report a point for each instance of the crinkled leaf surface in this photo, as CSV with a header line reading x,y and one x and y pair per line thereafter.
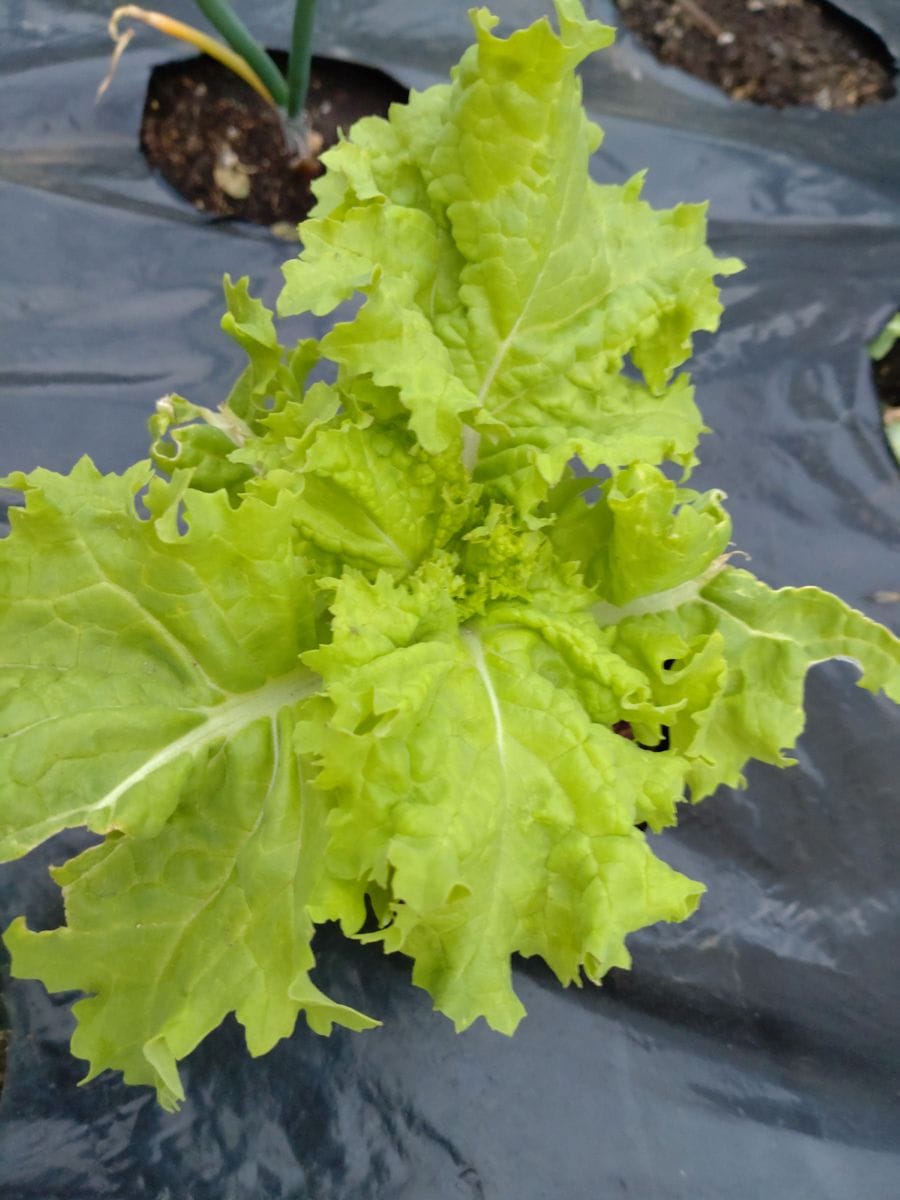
x,y
498,815
146,682
371,497
208,442
169,934
770,640
511,284
639,507
735,654
128,653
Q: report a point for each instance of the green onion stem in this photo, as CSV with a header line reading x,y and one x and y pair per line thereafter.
x,y
301,53
184,33
221,15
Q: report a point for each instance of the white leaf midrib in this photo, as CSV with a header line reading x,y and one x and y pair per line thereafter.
x,y
552,243
217,724
505,801
656,602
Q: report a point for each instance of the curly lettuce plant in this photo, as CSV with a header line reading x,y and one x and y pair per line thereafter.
x,y
362,651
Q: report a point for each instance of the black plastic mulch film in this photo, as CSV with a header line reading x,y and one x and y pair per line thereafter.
x,y
753,1052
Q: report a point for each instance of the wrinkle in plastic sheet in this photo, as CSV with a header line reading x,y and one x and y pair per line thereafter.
x,y
753,1051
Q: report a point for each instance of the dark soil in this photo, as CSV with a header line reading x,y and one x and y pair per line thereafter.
x,y
221,147
776,52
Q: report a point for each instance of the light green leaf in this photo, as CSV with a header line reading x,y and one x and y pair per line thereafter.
x,y
610,422
370,496
133,654
391,338
273,375
170,934
637,509
151,692
892,433
188,437
510,286
498,815
220,446
882,345
740,653
771,639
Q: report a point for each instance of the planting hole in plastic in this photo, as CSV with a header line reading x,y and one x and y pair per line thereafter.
x,y
772,52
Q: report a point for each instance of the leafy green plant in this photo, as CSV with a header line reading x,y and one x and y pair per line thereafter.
x,y
879,348
241,53
881,345
363,651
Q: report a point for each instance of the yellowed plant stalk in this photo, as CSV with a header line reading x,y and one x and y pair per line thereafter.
x,y
184,33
